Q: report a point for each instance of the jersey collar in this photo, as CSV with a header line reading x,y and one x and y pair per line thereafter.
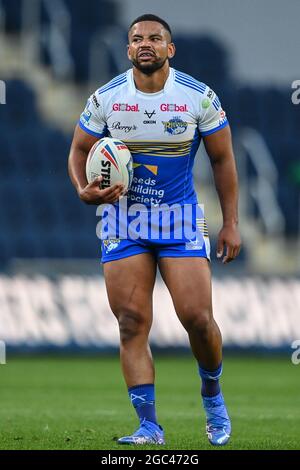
x,y
134,91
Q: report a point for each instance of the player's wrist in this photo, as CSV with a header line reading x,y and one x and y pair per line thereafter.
x,y
81,192
232,223
84,195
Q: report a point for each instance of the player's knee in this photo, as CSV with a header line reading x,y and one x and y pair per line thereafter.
x,y
198,320
131,323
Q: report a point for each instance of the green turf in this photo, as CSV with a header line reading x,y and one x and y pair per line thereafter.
x,y
76,403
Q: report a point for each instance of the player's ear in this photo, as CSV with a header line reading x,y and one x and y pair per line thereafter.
x,y
171,50
128,52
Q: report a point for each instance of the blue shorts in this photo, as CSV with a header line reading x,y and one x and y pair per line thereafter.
x,y
167,234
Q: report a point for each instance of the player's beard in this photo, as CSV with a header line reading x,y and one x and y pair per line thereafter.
x,y
149,69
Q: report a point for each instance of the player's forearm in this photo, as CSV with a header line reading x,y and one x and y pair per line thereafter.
x,y
76,167
226,182
220,151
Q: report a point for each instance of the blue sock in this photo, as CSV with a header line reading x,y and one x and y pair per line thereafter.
x,y
210,381
143,399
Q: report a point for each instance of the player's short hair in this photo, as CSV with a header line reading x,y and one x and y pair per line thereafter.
x,y
150,17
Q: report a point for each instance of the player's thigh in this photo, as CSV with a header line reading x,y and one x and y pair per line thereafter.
x,y
129,284
189,282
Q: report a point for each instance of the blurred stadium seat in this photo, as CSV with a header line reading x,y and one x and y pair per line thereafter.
x,y
13,14
213,68
40,211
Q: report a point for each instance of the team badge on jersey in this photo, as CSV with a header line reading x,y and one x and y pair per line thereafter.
x,y
111,244
175,126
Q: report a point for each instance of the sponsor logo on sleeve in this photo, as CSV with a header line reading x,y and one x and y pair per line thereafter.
x,y
206,103
95,101
86,115
222,118
211,94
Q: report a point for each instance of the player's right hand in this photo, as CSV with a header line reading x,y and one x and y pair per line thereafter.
x,y
93,194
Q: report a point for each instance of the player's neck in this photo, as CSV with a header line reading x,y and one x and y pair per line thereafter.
x,y
151,83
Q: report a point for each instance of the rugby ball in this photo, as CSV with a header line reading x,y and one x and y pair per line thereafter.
x,y
111,159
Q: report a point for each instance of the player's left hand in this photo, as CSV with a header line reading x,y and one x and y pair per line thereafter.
x,y
229,243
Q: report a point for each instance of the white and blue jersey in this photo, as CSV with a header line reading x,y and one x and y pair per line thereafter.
x,y
162,130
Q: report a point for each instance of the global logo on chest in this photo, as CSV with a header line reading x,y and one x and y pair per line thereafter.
x,y
134,108
175,126
174,108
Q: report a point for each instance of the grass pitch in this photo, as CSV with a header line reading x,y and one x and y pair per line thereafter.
x,y
82,403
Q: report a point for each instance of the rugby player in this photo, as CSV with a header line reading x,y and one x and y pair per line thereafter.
x,y
162,114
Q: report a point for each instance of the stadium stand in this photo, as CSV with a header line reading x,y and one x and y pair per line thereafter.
x,y
40,212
